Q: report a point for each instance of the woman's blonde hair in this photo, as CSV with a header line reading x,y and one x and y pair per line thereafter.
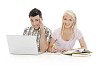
x,y
70,12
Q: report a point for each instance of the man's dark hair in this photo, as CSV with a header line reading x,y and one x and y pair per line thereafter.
x,y
35,12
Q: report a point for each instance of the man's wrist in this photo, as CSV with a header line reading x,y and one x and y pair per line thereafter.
x,y
43,32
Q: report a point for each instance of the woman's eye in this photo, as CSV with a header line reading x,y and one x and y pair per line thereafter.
x,y
70,19
65,19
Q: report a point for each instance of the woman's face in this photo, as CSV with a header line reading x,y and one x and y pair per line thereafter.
x,y
68,21
35,21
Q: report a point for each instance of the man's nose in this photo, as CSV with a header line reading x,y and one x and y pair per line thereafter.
x,y
34,23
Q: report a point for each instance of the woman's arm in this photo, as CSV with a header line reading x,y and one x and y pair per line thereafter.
x,y
82,43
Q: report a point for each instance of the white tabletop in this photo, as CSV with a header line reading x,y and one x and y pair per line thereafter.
x,y
46,59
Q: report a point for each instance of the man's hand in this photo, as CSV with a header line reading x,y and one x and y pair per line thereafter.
x,y
42,27
43,40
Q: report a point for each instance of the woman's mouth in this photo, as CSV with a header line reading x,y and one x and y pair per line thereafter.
x,y
67,24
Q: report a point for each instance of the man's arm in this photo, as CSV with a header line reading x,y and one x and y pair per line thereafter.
x,y
50,47
43,42
45,37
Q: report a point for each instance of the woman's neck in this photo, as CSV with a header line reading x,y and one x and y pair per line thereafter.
x,y
67,34
68,29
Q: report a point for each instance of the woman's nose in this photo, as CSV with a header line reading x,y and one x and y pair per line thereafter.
x,y
67,22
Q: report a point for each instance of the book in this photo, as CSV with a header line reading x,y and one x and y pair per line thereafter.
x,y
78,52
81,55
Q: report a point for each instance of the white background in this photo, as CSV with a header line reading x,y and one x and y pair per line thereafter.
x,y
14,18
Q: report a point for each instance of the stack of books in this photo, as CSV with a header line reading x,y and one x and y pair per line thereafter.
x,y
78,52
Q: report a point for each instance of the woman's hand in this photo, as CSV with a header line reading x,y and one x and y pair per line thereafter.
x,y
63,50
53,50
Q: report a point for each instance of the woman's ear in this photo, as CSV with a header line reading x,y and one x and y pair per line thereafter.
x,y
73,24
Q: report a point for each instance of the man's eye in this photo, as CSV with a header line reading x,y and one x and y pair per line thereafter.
x,y
31,20
36,20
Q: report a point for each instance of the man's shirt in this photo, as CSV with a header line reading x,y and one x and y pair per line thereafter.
x,y
31,32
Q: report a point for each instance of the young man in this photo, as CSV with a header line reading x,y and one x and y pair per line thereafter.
x,y
38,29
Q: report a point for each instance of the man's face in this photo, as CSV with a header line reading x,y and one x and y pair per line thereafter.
x,y
35,21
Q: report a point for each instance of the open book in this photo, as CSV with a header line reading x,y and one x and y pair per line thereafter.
x,y
78,52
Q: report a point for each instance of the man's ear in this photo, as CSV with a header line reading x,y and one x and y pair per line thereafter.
x,y
40,20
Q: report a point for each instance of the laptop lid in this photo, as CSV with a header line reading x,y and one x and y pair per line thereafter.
x,y
19,44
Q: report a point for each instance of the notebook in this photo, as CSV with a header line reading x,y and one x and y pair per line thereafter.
x,y
78,52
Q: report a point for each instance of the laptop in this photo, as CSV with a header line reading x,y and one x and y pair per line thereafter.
x,y
19,44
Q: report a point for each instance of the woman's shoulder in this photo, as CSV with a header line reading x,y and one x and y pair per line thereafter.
x,y
56,34
78,30
57,30
78,33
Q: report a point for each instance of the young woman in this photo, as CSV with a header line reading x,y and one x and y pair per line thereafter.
x,y
64,38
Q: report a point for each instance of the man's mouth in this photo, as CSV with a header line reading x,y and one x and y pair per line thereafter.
x,y
36,28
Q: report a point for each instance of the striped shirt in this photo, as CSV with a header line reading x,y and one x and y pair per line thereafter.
x,y
29,31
